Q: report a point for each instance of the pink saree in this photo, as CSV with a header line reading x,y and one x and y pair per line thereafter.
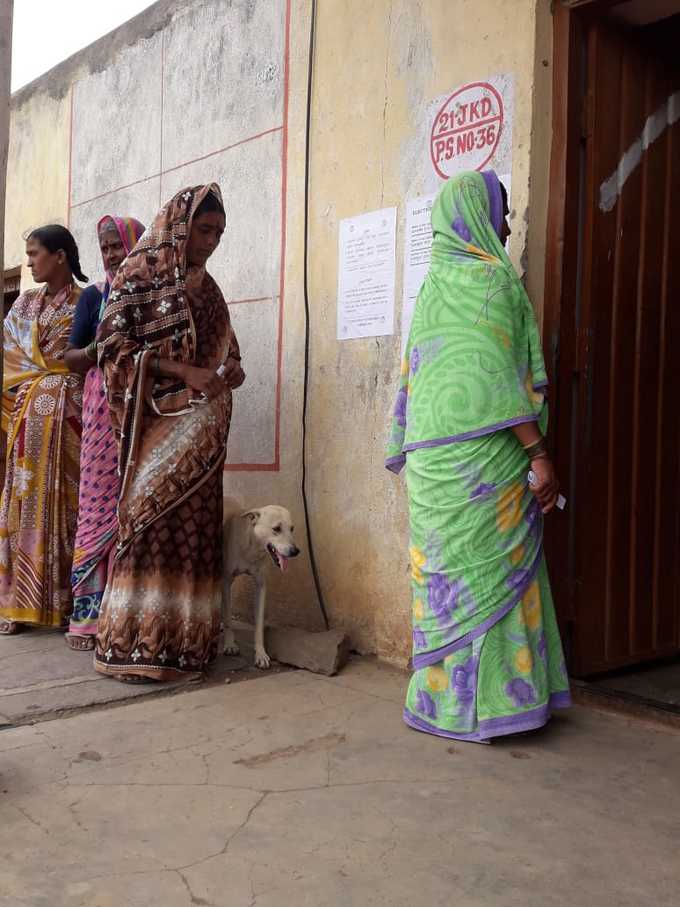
x,y
99,483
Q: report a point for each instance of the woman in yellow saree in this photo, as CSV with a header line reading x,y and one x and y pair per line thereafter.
x,y
41,414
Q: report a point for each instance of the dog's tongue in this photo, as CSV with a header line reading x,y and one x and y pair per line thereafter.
x,y
283,563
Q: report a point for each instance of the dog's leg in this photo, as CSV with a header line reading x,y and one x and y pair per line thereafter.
x,y
261,658
230,644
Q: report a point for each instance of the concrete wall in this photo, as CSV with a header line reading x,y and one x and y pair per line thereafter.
x,y
5,75
196,90
374,79
37,171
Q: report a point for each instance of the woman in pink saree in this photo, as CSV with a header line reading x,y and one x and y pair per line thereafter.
x,y
99,485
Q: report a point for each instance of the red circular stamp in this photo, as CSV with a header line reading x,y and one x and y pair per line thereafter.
x,y
467,129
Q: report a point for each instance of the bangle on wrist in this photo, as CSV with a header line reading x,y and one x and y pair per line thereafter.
x,y
91,351
537,450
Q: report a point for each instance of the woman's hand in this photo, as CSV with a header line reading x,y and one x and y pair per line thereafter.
x,y
545,485
232,373
78,361
203,380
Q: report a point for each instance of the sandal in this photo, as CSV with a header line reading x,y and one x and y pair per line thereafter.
x,y
134,678
10,627
79,643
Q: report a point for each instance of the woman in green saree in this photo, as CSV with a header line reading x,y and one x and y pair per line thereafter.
x,y
468,425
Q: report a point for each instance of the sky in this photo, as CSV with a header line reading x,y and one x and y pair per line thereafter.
x,y
45,32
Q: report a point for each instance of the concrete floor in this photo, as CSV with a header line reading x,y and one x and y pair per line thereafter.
x,y
41,678
296,789
656,684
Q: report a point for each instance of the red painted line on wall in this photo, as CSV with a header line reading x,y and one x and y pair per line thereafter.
x,y
256,299
153,176
276,465
203,157
144,179
251,467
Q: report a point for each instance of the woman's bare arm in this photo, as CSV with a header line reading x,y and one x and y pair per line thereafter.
x,y
78,361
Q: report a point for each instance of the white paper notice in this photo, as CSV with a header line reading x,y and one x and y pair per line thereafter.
x,y
366,270
417,254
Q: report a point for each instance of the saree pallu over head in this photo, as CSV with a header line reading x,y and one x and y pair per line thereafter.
x,y
473,367
149,312
160,614
41,413
130,232
473,361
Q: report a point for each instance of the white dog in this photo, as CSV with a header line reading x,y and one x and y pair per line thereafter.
x,y
250,540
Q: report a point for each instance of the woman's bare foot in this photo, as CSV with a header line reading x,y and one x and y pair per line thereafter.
x,y
9,627
79,643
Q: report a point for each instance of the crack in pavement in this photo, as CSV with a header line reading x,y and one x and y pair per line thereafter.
x,y
201,902
229,840
29,818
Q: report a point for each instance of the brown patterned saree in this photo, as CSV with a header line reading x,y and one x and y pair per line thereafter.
x,y
160,616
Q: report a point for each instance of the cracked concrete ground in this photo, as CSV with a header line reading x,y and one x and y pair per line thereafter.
x,y
297,789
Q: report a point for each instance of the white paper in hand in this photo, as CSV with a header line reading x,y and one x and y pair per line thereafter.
x,y
561,500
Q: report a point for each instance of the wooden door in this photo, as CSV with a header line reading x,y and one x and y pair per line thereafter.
x,y
618,358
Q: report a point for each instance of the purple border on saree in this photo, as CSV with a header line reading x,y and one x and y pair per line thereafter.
x,y
470,435
396,464
497,727
425,659
493,190
419,724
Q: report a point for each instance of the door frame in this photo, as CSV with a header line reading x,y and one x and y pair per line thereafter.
x,y
566,346
561,281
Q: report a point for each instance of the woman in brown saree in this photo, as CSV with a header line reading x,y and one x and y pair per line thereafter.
x,y
170,361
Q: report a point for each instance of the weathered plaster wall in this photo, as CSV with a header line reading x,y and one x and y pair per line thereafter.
x,y
5,74
195,90
37,171
375,74
536,214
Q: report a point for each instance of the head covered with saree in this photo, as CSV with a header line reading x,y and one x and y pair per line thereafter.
x,y
473,362
128,229
148,312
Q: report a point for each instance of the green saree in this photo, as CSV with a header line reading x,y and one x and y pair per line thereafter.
x,y
487,655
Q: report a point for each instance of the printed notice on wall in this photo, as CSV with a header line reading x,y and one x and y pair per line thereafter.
x,y
417,253
366,268
470,128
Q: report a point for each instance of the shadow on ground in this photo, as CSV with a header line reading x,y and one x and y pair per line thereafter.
x,y
41,679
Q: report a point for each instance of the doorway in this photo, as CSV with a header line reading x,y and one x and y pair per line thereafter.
x,y
11,288
612,332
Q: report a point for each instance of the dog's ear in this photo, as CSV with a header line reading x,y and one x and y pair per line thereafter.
x,y
253,515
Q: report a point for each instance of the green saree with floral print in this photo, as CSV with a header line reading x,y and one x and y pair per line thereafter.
x,y
487,655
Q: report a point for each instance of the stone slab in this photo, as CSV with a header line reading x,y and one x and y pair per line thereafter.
x,y
322,653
